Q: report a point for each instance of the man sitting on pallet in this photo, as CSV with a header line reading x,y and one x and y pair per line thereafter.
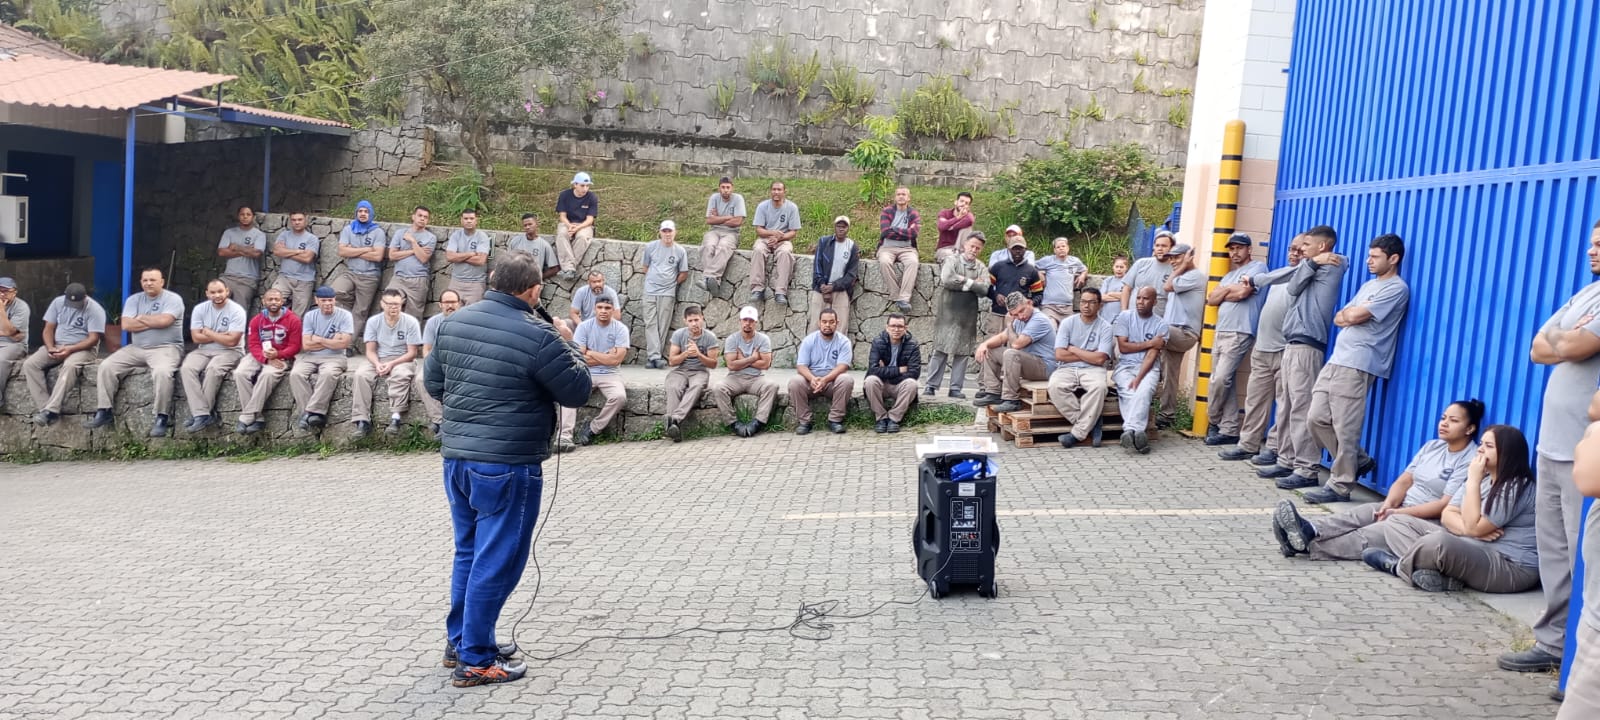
x,y
1083,347
1022,352
1141,334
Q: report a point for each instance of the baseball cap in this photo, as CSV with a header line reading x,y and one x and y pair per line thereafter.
x,y
669,225
1015,300
1179,249
749,313
582,179
1239,239
326,292
76,292
8,283
842,219
1015,241
1166,232
1014,229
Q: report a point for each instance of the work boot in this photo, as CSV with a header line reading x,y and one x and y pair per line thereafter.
x,y
102,418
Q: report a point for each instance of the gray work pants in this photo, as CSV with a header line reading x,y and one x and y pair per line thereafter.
x,y
1345,535
838,393
327,369
657,324
1297,449
876,391
162,361
1423,545
1558,515
736,384
1338,409
958,370
203,373
683,391
1082,412
1228,353
40,362
1259,396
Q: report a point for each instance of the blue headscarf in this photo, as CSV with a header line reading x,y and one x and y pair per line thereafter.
x,y
362,228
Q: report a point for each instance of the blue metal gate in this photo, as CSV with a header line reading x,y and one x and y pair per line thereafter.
x,y
1469,127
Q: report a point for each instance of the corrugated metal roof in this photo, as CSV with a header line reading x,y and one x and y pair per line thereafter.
x,y
200,102
50,82
21,42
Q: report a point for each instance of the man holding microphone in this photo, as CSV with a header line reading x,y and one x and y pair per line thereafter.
x,y
500,367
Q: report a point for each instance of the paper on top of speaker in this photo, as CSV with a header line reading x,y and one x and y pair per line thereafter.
x,y
947,444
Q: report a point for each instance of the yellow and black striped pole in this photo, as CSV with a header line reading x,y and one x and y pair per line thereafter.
x,y
1227,212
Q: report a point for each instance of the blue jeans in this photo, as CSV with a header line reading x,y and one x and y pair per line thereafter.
x,y
493,508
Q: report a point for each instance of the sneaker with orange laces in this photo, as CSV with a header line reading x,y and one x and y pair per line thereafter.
x,y
500,671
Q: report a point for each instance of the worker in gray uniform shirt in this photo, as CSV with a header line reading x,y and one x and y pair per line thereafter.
x,y
1315,287
1364,351
1582,700
1570,343
1256,443
1238,308
1185,314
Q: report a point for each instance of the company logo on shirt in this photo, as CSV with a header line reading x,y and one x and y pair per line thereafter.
x,y
78,322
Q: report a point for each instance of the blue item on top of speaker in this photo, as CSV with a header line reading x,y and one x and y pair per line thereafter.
x,y
968,470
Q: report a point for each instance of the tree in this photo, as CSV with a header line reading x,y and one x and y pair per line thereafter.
x,y
470,56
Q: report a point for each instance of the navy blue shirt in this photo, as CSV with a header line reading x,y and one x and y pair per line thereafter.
x,y
577,208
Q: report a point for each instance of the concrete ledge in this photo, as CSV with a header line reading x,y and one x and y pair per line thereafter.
x,y
645,409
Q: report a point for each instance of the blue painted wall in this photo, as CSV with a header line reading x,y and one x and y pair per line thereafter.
x,y
1469,127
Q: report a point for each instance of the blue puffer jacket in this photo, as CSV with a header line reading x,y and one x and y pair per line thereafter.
x,y
500,371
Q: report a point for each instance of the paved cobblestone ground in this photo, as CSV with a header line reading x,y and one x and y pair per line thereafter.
x,y
1131,588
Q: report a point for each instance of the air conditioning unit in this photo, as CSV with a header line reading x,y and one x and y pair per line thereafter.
x,y
13,220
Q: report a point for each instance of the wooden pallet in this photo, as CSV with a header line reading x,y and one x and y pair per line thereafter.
x,y
1041,432
1040,421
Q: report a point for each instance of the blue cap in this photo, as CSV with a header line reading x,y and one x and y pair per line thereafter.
x,y
582,179
326,292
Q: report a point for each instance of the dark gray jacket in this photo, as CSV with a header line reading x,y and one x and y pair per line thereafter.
x,y
500,371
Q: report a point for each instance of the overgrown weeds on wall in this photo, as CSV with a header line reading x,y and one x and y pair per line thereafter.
x,y
779,72
876,156
937,109
1076,190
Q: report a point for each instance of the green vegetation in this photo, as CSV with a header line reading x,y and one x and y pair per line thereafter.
x,y
413,439
1093,111
1076,191
634,205
1139,85
1178,114
850,93
722,95
876,156
469,58
781,73
937,109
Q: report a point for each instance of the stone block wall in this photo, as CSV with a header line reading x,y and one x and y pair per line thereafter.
x,y
186,193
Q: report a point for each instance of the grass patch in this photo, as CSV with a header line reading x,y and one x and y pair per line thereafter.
x,y
633,206
413,439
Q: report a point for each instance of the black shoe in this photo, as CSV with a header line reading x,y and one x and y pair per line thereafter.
x,y
504,652
1141,443
930,391
1274,472
1236,453
202,422
1323,496
1381,559
102,418
803,429
188,425
757,296
1283,541
304,425
958,394
891,426
363,428
836,427
1265,458
902,306
985,399
1097,434
160,427
1435,581
563,446
1008,406
755,427
1126,440
240,427
1530,660
1297,532
1296,481
583,436
393,427
881,427
780,299
1068,440
254,427
45,418
674,432
1367,465
1214,440
316,420
491,674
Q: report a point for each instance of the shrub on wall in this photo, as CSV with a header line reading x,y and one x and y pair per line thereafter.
x,y
876,156
937,109
1076,190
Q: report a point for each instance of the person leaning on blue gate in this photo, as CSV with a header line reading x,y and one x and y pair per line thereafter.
x,y
500,367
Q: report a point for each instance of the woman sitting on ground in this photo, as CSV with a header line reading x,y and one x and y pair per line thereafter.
x,y
1423,491
1487,542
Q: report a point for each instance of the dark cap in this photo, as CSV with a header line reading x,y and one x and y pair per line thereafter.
x,y
8,283
1179,249
326,292
76,292
1239,239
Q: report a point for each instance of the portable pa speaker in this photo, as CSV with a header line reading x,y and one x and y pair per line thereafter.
x,y
956,535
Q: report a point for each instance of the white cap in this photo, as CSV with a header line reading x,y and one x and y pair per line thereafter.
x,y
669,225
748,312
842,219
582,179
1013,229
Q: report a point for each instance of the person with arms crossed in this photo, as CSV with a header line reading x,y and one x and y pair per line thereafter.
x,y
777,221
242,246
1238,311
153,319
963,279
325,335
1140,335
893,365
393,340
364,247
898,226
576,209
833,273
1256,443
748,354
467,251
411,249
218,328
296,250
724,216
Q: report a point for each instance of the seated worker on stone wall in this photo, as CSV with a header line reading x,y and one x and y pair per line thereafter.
x,y
154,321
392,342
1024,351
1424,490
603,341
691,353
748,354
822,368
1140,334
1487,542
